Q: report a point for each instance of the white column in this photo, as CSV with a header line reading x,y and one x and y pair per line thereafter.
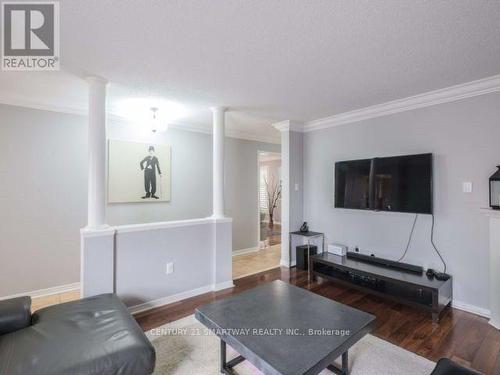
x,y
97,154
291,193
218,161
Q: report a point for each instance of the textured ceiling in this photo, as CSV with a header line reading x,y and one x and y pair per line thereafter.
x,y
268,60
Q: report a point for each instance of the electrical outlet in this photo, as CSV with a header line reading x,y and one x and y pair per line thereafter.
x,y
296,187
169,268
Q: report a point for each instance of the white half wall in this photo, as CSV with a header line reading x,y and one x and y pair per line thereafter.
x,y
199,249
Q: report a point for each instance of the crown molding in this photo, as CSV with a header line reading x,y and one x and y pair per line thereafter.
x,y
289,125
446,95
231,133
80,111
18,101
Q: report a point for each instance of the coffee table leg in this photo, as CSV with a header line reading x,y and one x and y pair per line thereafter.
x,y
345,363
345,366
222,357
227,367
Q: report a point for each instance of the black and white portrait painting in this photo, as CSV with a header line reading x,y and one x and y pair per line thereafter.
x,y
138,172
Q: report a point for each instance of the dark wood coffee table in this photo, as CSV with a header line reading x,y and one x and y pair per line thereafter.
x,y
283,329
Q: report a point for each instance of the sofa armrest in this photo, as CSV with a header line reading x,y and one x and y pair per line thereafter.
x,y
15,313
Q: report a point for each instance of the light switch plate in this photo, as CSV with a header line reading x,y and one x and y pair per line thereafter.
x,y
467,187
169,268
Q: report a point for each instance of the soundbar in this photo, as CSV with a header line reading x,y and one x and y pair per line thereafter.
x,y
385,262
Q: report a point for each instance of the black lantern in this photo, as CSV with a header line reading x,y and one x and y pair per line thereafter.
x,y
495,190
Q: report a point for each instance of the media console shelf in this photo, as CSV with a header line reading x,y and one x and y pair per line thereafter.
x,y
408,288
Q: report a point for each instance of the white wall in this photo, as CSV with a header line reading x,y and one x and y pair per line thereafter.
x,y
43,195
464,138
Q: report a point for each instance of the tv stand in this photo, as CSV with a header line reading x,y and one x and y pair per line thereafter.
x,y
405,287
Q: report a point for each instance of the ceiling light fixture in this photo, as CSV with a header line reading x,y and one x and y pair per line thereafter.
x,y
157,125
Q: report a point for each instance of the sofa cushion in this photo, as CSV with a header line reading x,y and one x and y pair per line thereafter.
x,y
95,335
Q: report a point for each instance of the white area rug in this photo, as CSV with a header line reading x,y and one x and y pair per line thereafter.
x,y
185,347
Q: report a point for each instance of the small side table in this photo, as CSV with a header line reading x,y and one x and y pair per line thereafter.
x,y
309,235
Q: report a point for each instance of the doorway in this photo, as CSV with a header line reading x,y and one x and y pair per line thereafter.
x,y
267,253
269,199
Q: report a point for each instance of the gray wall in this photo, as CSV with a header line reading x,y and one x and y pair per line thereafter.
x,y
191,164
242,189
464,138
141,258
292,202
43,158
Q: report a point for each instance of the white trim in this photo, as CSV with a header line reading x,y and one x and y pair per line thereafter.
x,y
289,125
257,272
17,101
284,263
46,292
275,222
471,308
170,299
90,232
223,285
494,324
245,251
169,224
179,297
8,99
238,134
445,95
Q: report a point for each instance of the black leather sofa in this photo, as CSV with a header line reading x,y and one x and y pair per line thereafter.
x,y
95,335
448,367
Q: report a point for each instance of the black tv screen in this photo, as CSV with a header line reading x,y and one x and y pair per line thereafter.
x,y
398,184
352,184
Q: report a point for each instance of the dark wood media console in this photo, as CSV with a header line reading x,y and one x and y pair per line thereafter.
x,y
408,288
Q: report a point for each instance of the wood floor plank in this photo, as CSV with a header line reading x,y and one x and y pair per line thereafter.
x,y
488,353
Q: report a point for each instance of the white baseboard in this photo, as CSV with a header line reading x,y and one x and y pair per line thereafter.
x,y
471,308
46,292
494,324
245,251
179,297
224,285
169,299
284,263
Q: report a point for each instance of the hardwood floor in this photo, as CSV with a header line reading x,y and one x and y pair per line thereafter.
x,y
252,263
465,338
38,303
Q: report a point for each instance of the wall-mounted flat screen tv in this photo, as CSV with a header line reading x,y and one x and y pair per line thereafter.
x,y
398,184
